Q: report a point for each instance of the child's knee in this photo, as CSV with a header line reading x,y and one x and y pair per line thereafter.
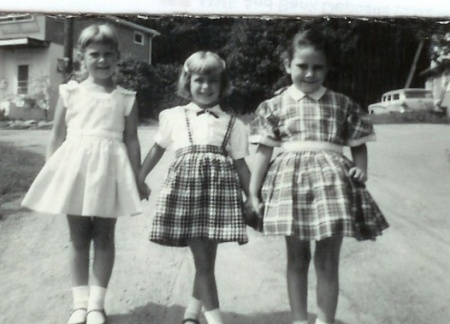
x,y
80,240
328,265
299,263
103,239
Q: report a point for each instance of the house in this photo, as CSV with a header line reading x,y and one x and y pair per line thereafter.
x,y
32,58
438,74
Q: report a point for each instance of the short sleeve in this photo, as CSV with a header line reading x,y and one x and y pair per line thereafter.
x,y
66,91
163,136
129,98
360,128
264,127
238,147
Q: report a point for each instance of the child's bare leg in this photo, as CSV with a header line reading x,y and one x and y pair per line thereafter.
x,y
205,288
80,229
104,250
104,253
298,259
326,261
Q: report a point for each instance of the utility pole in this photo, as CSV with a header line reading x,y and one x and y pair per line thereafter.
x,y
413,66
68,47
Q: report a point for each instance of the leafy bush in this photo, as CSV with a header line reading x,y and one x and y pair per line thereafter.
x,y
155,85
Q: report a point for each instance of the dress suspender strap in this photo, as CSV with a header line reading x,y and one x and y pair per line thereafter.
x,y
188,124
228,133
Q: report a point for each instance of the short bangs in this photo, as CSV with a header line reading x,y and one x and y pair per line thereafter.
x,y
203,63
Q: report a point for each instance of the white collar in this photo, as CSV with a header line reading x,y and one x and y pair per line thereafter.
x,y
297,95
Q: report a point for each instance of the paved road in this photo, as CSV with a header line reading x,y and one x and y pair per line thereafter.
x,y
400,278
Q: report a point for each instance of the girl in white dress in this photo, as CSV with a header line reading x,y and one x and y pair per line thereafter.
x,y
90,174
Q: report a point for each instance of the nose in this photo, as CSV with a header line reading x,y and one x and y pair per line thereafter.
x,y
310,72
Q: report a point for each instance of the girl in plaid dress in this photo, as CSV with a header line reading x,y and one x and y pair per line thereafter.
x,y
311,191
200,203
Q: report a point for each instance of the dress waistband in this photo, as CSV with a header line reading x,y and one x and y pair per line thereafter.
x,y
72,133
311,146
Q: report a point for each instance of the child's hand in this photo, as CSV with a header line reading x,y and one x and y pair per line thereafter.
x,y
144,190
357,174
253,213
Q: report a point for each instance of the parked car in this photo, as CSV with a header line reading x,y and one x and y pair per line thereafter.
x,y
403,100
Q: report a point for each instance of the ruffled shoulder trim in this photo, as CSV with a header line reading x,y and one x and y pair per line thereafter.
x,y
66,90
126,92
71,85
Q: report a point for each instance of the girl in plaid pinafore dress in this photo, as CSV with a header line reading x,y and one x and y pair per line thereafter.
x,y
311,191
200,203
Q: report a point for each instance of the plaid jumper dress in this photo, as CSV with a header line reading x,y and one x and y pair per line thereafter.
x,y
201,197
307,191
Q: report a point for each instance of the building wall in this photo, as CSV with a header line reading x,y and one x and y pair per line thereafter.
x,y
34,28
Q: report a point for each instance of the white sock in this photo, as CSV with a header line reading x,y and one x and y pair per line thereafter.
x,y
318,321
193,309
213,316
97,297
80,296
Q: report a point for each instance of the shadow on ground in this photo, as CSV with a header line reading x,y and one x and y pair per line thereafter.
x,y
153,313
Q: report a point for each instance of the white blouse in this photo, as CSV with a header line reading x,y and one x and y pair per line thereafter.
x,y
205,128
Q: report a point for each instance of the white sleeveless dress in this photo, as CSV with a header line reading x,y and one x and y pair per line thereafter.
x,y
90,173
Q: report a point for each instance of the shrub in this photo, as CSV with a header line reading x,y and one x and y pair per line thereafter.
x,y
155,85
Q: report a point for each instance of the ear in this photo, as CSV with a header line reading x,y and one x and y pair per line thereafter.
x,y
287,66
79,56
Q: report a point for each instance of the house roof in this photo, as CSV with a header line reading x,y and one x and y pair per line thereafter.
x,y
124,22
23,42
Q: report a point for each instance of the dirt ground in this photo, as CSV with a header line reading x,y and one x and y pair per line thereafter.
x,y
400,278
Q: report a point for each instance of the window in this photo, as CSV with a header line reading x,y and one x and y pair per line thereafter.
x,y
396,96
15,18
22,79
139,38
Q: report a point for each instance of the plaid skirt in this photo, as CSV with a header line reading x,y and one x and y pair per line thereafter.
x,y
201,198
308,194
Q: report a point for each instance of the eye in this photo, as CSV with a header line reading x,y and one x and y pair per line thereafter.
x,y
318,68
302,66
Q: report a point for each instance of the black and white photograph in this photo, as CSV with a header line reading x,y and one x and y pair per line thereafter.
x,y
184,162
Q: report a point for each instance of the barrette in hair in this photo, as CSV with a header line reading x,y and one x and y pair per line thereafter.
x,y
185,68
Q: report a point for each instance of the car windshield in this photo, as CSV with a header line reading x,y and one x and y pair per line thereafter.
x,y
418,94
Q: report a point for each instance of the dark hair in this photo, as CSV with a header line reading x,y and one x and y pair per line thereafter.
x,y
203,62
309,37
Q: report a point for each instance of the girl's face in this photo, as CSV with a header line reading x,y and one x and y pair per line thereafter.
x,y
100,61
205,89
308,69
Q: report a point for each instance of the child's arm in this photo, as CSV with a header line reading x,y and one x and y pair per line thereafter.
x,y
131,140
359,155
261,160
152,158
59,130
244,174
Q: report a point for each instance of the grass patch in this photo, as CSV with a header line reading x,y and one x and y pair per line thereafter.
x,y
410,117
18,168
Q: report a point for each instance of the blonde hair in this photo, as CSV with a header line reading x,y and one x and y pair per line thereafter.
x,y
105,34
203,62
96,33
